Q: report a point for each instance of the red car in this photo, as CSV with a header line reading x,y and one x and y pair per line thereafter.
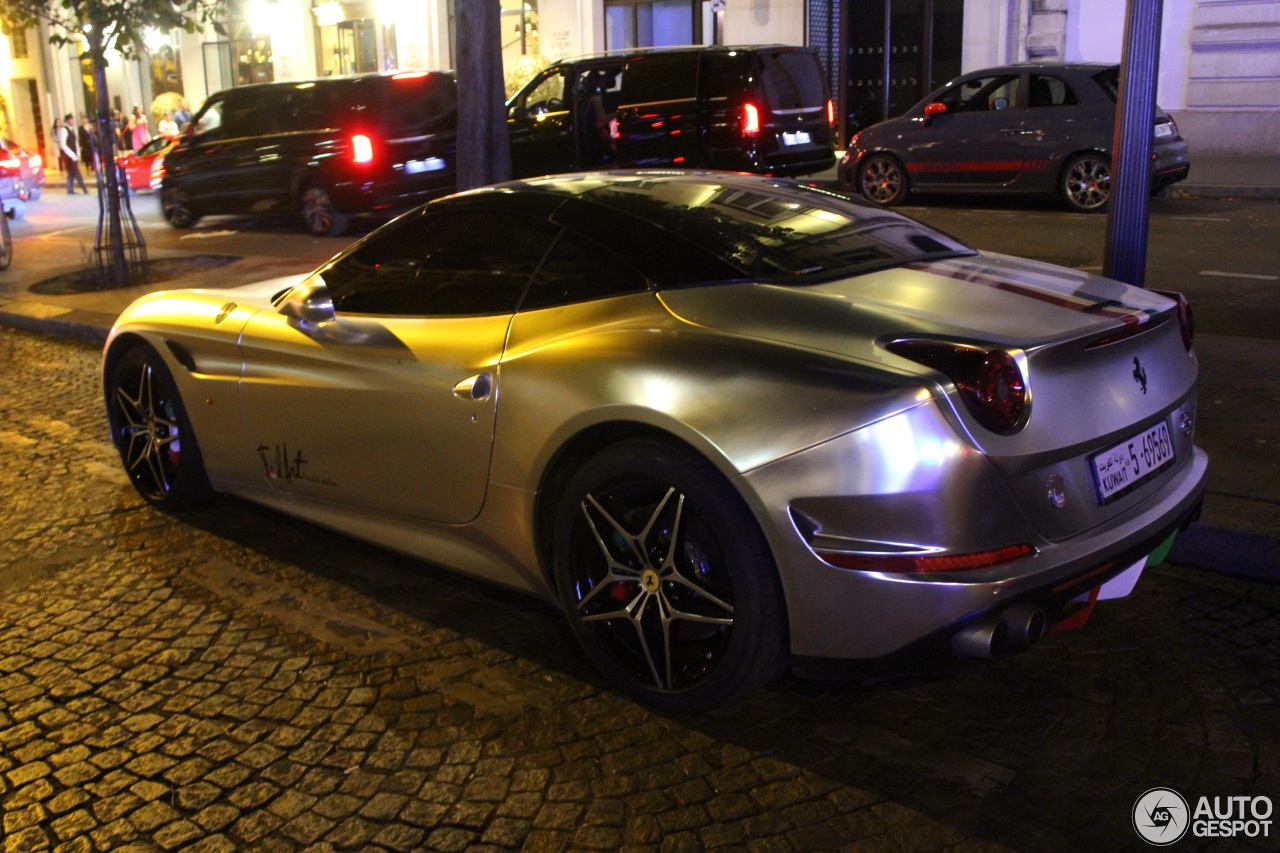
x,y
26,165
145,167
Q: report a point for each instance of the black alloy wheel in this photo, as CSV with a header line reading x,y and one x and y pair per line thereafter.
x,y
176,208
320,213
666,579
151,431
882,179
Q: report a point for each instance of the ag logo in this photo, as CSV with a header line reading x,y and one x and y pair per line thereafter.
x,y
1161,817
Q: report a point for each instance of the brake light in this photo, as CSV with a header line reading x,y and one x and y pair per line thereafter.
x,y
35,162
750,120
831,113
361,148
990,381
10,163
926,563
1186,320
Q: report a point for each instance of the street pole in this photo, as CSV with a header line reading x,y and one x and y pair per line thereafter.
x,y
1126,247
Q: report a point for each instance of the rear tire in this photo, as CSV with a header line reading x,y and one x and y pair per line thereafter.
x,y
6,242
666,578
883,180
320,213
176,207
1086,183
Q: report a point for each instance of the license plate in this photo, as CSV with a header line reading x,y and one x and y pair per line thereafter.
x,y
1164,130
800,137
431,164
1130,463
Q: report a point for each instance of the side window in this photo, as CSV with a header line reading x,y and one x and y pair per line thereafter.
x,y
650,79
250,113
443,264
1045,91
578,270
209,121
982,94
547,95
714,84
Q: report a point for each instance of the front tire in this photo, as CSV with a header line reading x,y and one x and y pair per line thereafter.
x,y
320,213
6,242
151,431
666,579
882,179
1086,183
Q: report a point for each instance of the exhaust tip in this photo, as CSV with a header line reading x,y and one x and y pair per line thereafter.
x,y
984,639
1025,624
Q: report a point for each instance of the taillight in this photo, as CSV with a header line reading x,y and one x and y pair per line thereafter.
x,y
10,163
926,563
750,120
831,113
35,162
1186,320
990,381
361,148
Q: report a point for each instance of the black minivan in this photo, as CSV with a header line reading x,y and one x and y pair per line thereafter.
x,y
326,149
757,108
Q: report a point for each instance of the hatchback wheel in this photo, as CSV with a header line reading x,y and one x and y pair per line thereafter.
x,y
666,578
883,180
151,431
320,214
1086,183
176,207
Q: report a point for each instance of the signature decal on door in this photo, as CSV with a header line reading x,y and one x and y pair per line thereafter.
x,y
278,465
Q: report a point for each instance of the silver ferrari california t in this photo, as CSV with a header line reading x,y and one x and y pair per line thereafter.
x,y
730,424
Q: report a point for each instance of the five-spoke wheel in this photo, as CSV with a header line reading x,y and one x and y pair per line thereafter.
x,y
882,179
150,429
666,579
1086,182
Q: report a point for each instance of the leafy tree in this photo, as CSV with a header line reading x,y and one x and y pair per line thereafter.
x,y
91,28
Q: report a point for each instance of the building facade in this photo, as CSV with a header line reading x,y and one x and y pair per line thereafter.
x,y
1219,62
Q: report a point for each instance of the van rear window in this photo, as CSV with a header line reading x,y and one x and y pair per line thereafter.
x,y
791,80
415,105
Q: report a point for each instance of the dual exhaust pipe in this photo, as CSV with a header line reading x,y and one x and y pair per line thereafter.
x,y
1018,628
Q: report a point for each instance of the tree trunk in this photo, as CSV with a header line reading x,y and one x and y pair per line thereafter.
x,y
483,153
118,267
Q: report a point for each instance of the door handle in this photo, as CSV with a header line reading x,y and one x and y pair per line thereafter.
x,y
476,387
1013,131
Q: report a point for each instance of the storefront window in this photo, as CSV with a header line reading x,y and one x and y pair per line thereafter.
x,y
347,37
656,24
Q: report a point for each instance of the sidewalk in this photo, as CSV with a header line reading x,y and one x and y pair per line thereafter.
x,y
1234,545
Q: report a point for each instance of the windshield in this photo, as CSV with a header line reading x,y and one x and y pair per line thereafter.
x,y
777,230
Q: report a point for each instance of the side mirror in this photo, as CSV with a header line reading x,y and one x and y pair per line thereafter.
x,y
1000,104
310,305
937,108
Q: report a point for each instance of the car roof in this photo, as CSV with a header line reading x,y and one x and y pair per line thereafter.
x,y
1086,67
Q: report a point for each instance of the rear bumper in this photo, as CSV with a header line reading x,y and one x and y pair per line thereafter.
x,y
866,615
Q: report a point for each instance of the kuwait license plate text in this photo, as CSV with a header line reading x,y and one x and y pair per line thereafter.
x,y
1118,469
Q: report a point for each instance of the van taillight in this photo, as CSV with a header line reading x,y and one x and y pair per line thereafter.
x,y
831,113
750,120
361,149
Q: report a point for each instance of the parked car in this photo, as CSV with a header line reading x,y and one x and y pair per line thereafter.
x,y
29,167
144,168
326,149
762,109
730,423
1031,128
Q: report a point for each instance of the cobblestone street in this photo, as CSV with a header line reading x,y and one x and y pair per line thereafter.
x,y
228,679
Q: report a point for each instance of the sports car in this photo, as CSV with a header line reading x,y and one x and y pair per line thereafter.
x,y
731,425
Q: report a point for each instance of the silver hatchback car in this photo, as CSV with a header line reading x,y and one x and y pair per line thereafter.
x,y
1035,128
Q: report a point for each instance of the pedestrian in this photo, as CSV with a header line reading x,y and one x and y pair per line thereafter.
x,y
88,144
140,135
117,127
182,115
167,126
65,138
